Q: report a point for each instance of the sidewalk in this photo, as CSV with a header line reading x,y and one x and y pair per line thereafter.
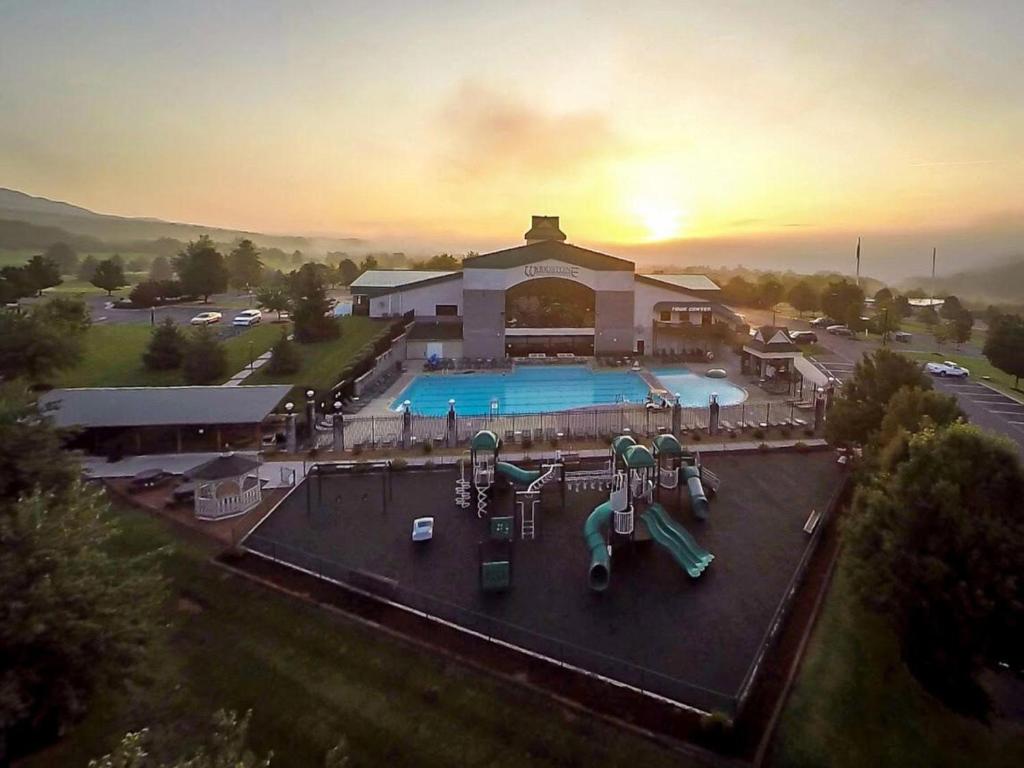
x,y
248,371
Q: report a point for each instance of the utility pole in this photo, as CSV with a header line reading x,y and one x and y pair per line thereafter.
x,y
933,272
858,262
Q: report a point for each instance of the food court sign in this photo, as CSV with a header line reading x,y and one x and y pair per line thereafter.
x,y
551,270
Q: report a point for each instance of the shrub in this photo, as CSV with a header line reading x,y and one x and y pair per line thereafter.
x,y
800,445
357,449
527,442
764,447
428,447
429,464
166,347
785,432
758,434
205,359
399,465
696,436
809,432
284,357
553,442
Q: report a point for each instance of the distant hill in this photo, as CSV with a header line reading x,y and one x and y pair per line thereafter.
x,y
997,284
17,206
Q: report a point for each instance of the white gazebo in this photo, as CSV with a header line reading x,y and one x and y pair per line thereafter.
x,y
226,486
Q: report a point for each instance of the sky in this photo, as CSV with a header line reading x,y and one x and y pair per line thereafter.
x,y
650,127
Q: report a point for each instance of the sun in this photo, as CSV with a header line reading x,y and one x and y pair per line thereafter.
x,y
662,220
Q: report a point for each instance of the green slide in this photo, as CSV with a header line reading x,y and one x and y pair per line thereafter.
x,y
600,563
698,501
517,474
679,543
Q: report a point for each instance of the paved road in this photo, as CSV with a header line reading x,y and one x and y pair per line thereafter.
x,y
984,406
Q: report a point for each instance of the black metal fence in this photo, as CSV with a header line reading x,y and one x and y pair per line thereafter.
x,y
553,650
593,423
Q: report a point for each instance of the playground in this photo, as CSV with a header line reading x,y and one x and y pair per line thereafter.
x,y
630,566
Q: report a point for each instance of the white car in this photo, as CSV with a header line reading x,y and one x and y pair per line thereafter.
x,y
839,330
423,529
247,318
947,368
206,318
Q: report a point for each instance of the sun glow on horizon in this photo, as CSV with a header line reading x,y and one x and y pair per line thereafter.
x,y
662,220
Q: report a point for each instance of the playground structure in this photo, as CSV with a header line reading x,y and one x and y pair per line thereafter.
x,y
637,476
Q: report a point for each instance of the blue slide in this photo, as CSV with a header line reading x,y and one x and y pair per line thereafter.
x,y
600,563
698,501
679,543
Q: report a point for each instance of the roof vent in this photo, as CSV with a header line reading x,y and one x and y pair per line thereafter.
x,y
544,228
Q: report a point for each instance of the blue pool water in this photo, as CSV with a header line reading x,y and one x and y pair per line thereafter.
x,y
695,389
539,389
523,390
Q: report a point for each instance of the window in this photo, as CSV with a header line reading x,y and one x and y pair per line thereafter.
x,y
666,317
446,310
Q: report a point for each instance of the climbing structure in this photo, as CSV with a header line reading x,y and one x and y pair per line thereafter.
x,y
483,455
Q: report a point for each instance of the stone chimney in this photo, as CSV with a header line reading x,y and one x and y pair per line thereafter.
x,y
544,228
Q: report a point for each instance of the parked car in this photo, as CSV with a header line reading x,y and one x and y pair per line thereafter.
x,y
839,330
947,368
803,337
423,529
248,317
206,318
822,322
902,336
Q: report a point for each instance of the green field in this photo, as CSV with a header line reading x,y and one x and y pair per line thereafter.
x,y
311,677
113,356
855,704
322,362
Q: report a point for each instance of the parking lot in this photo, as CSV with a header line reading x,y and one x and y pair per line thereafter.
x,y
987,407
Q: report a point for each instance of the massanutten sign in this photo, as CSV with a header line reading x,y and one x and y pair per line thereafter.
x,y
551,270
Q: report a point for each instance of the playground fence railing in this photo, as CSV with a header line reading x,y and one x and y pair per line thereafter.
x,y
593,423
586,661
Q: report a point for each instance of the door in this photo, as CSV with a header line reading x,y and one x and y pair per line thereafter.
x,y
640,347
435,349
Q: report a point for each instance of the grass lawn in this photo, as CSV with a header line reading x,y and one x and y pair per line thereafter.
x,y
855,704
977,365
311,677
113,356
322,362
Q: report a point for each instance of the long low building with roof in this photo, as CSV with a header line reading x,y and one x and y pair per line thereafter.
x,y
547,296
122,420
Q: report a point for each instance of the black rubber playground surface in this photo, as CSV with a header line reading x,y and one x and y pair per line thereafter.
x,y
691,640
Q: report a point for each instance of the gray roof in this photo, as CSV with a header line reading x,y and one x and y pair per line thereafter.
x,y
397,278
162,406
687,281
229,465
548,249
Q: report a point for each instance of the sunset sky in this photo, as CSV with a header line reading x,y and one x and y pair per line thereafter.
x,y
637,122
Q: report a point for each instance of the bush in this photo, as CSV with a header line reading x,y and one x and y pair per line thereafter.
x,y
428,447
399,465
166,347
553,442
205,359
357,449
785,432
696,436
527,442
809,432
800,445
429,464
758,434
284,357
764,447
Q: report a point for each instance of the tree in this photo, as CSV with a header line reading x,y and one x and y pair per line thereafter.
x,y
109,276
769,291
936,546
929,316
951,307
71,313
843,301
297,258
442,261
202,268
64,256
166,347
41,273
369,262
31,455
273,299
961,326
738,291
911,409
883,297
244,265
313,319
347,271
901,307
802,297
1004,346
205,359
14,284
33,346
284,357
87,268
73,618
160,269
857,414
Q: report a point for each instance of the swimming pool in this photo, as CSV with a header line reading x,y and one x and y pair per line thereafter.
x,y
539,389
695,389
524,389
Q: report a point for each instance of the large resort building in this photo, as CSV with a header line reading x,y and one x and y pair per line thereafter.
x,y
546,296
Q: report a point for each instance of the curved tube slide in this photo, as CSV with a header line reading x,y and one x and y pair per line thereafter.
x,y
600,562
698,501
517,474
